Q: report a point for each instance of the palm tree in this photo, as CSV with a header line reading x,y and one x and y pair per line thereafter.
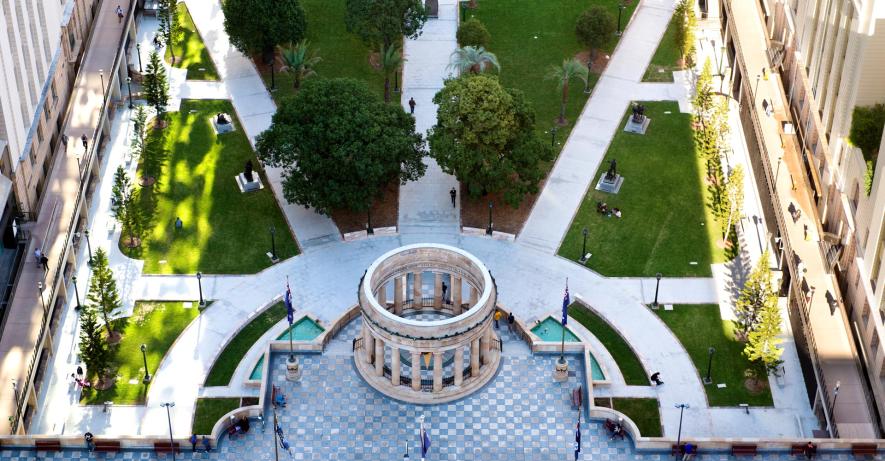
x,y
571,68
391,60
473,59
298,61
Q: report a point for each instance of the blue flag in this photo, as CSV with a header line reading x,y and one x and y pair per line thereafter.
x,y
565,303
425,442
578,440
290,311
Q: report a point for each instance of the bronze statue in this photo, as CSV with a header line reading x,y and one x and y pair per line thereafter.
x,y
247,171
221,119
638,113
612,172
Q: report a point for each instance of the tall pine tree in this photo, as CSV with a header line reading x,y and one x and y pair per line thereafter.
x,y
734,199
763,340
156,86
120,194
170,25
139,124
757,295
93,348
103,296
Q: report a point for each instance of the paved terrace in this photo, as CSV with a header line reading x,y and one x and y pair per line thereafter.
x,y
52,232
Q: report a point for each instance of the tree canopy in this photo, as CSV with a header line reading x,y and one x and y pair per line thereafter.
x,y
155,84
260,25
595,27
384,22
485,137
473,33
340,145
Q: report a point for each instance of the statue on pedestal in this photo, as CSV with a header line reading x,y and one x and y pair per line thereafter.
x,y
247,171
221,119
638,113
612,172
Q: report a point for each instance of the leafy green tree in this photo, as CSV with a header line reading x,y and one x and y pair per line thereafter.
x,y
763,339
703,96
473,59
866,128
384,22
473,33
569,70
156,86
684,33
120,193
170,24
485,136
595,28
260,25
94,349
103,296
340,145
734,199
758,293
391,60
139,126
299,61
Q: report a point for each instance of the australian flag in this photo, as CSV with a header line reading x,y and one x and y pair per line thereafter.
x,y
565,303
290,311
425,443
578,440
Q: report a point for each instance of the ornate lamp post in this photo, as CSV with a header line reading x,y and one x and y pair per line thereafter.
x,y
138,48
489,229
709,379
621,8
169,406
273,242
681,407
129,87
657,286
147,374
76,293
200,286
583,259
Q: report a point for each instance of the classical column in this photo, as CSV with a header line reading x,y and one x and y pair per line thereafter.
x,y
456,295
416,371
474,357
368,343
416,291
394,365
474,296
379,357
437,371
484,349
459,365
437,290
398,295
382,295
493,350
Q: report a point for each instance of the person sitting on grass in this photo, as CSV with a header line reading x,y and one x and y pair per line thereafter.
x,y
601,207
617,212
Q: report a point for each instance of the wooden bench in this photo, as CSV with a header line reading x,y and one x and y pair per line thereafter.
x,y
48,445
166,447
864,449
107,446
743,450
797,449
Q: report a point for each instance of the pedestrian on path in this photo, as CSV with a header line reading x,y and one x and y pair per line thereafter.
x,y
178,223
453,193
64,141
510,320
88,437
193,441
79,371
44,261
412,105
85,142
206,444
810,450
688,451
656,378
119,14
38,255
497,317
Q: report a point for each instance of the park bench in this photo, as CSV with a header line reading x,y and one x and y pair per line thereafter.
x,y
166,447
107,446
743,450
675,450
864,449
797,449
48,445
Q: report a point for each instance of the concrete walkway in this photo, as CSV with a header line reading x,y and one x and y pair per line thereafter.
x,y
425,203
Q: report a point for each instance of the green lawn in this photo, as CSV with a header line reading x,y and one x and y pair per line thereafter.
x,y
529,38
190,51
154,324
209,411
236,349
699,327
666,226
631,367
643,412
665,58
225,231
344,55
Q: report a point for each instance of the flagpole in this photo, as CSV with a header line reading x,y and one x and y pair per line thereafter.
x,y
421,434
562,343
276,449
291,317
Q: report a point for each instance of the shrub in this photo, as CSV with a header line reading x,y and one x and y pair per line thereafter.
x,y
473,33
595,27
866,129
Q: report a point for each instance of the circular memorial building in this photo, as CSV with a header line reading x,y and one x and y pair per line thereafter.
x,y
427,315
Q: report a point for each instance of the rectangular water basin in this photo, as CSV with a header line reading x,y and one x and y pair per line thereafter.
x,y
303,330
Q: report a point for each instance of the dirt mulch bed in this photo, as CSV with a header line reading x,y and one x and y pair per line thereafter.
x,y
385,212
475,212
598,64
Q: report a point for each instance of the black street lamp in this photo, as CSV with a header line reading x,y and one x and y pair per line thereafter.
x,y
88,245
584,232
200,286
273,242
587,83
489,229
129,87
621,8
553,137
709,378
406,456
40,292
76,293
168,406
147,374
369,229
273,80
138,48
681,407
396,81
756,90
657,286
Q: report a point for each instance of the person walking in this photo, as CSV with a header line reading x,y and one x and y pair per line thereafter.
x,y
85,142
688,451
510,320
44,261
178,223
497,318
206,444
412,105
38,255
453,194
193,441
89,437
810,450
656,378
119,14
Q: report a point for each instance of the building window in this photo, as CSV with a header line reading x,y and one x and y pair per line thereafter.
x,y
865,316
874,343
855,196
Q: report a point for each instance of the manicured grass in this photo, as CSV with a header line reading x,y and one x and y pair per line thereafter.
x,y
666,226
699,327
643,412
529,38
631,367
225,231
209,411
226,363
154,324
665,58
190,51
344,55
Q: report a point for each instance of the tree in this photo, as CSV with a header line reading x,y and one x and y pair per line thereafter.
x,y
170,25
703,96
473,33
570,69
156,87
120,193
734,195
485,136
391,60
763,340
758,294
260,25
139,125
866,128
340,145
384,22
299,61
93,349
685,22
473,59
103,296
594,29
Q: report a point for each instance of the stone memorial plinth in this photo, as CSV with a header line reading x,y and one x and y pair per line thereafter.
x,y
609,184
637,126
249,186
222,123
560,373
293,370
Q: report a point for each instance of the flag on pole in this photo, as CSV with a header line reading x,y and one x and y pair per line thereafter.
x,y
565,303
578,440
290,311
425,442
